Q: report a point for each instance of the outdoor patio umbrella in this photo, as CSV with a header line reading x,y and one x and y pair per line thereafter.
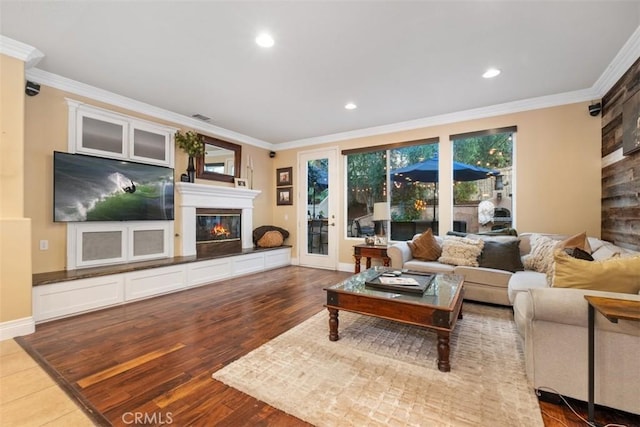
x,y
427,171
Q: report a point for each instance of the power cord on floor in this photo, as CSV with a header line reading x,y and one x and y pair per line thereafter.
x,y
554,391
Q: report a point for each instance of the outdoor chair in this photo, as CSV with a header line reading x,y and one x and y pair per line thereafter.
x,y
315,234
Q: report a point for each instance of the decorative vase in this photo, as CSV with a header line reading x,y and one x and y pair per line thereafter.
x,y
191,170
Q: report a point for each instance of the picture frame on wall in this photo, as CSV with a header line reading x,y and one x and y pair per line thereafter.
x,y
631,124
241,182
284,176
284,196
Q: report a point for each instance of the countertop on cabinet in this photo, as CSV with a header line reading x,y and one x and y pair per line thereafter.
x,y
85,273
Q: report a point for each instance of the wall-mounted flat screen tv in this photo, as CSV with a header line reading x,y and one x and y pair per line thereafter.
x,y
88,188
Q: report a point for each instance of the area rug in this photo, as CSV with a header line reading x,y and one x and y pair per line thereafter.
x,y
382,373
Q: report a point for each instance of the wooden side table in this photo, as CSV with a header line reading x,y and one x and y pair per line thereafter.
x,y
370,251
613,309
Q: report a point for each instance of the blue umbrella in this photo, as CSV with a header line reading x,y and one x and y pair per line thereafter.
x,y
427,171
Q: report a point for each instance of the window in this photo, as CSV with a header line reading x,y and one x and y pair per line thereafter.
x,y
482,187
372,177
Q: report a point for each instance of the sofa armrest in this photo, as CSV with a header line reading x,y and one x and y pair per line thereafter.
x,y
399,253
568,306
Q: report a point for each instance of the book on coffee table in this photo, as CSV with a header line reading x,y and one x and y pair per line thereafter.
x,y
415,284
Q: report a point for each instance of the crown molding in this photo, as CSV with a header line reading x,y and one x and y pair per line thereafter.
x,y
22,51
626,57
92,92
460,116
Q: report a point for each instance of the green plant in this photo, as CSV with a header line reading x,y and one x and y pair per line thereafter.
x,y
190,142
464,192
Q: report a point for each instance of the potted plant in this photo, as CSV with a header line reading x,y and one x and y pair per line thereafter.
x,y
192,144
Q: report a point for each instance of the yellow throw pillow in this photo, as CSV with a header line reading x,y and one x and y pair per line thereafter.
x,y
613,275
425,247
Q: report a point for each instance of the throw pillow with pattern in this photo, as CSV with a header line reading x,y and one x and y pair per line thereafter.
x,y
425,247
461,251
540,258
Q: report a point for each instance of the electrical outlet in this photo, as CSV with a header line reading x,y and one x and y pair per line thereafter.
x,y
44,245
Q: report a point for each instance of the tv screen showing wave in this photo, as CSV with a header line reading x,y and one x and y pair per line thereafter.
x,y
88,188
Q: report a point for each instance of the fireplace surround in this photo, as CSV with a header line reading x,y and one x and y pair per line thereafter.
x,y
208,198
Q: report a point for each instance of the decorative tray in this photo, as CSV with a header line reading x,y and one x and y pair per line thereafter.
x,y
410,282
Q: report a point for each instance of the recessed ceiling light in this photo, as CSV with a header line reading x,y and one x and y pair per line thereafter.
x,y
491,73
351,106
265,40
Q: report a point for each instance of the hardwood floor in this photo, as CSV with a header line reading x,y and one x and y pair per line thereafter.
x,y
151,361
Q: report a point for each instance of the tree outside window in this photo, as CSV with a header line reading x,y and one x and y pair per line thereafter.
x,y
485,204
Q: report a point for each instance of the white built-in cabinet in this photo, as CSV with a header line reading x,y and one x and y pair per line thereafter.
x,y
98,132
103,133
63,299
94,244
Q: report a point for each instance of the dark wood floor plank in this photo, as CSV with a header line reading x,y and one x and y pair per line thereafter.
x,y
156,356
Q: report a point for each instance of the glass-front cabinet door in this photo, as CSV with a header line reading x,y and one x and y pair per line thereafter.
x,y
101,135
149,144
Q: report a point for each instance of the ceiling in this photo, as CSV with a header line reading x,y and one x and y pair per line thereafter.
x,y
398,61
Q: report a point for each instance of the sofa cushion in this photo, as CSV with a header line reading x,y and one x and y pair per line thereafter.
x,y
484,276
498,232
425,247
606,251
613,275
428,266
501,255
461,251
522,281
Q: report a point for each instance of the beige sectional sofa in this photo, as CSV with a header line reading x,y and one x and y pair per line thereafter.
x,y
552,323
489,284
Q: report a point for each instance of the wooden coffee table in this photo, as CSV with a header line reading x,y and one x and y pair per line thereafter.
x,y
437,309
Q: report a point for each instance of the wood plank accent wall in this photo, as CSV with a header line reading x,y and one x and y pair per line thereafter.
x,y
620,174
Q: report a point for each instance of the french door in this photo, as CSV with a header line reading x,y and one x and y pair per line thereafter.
x,y
317,209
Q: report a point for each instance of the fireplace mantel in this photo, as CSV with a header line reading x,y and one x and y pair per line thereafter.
x,y
192,196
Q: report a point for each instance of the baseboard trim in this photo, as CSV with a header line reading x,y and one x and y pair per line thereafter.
x,y
16,328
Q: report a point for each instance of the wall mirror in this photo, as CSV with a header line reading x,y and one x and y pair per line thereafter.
x,y
221,160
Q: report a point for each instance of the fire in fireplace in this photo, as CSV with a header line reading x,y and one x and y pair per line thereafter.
x,y
220,225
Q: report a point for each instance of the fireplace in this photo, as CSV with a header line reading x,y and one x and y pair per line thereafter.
x,y
196,199
218,231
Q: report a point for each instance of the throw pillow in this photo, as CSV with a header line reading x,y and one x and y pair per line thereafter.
x,y
501,255
425,247
260,231
461,251
613,275
577,241
270,239
606,251
578,254
540,258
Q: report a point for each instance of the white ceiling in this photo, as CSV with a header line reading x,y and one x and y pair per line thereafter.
x,y
398,61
